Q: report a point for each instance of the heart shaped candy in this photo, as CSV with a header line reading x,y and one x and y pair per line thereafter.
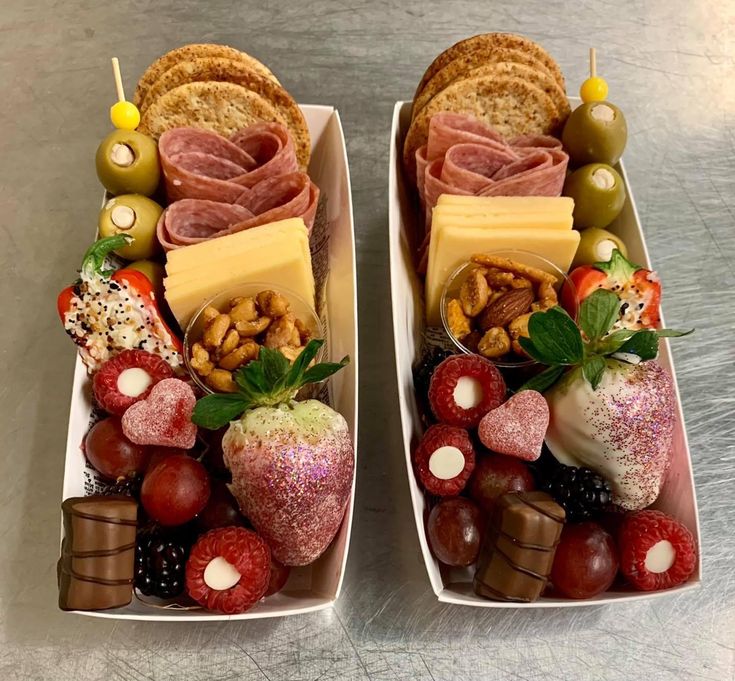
x,y
517,427
164,417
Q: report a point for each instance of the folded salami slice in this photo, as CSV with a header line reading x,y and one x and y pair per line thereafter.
x,y
464,156
191,221
200,164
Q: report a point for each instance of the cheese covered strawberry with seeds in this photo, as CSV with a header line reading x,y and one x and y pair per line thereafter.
x,y
107,312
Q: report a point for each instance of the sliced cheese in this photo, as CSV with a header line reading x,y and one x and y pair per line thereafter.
x,y
215,249
274,254
548,220
505,204
452,246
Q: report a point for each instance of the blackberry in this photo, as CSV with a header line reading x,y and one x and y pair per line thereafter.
x,y
422,374
130,487
160,563
582,492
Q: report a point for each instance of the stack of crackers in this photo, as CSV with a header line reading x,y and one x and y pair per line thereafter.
x,y
505,80
217,88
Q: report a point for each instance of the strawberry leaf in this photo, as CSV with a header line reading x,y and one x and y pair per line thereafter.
x,y
318,373
644,344
216,411
612,342
295,377
673,333
555,337
593,369
598,313
275,365
544,380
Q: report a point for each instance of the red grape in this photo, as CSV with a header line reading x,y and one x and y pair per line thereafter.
x,y
111,453
175,490
158,453
455,530
586,561
213,453
221,509
279,577
495,475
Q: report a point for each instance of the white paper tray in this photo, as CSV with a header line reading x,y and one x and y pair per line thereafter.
x,y
455,585
317,586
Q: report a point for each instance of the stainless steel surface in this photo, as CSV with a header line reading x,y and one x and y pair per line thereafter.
x,y
670,67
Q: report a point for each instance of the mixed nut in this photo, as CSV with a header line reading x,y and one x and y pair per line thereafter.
x,y
232,339
495,302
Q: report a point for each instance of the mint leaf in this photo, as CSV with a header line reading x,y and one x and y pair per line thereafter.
x,y
544,380
533,352
216,411
598,313
324,370
555,337
642,343
673,333
593,369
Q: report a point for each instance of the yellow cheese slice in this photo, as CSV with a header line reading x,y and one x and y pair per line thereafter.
x,y
541,220
453,246
276,256
467,205
192,256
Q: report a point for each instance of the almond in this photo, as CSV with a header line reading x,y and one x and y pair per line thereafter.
x,y
505,309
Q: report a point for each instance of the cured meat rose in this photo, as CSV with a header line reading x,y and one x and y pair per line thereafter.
x,y
218,186
465,156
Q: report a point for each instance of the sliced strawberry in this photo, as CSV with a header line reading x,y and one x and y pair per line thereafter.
x,y
445,459
228,570
128,378
656,551
464,388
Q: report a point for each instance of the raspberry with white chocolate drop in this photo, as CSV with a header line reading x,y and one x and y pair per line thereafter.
x,y
445,459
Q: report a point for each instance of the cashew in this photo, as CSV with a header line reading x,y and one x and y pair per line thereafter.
x,y
200,360
239,356
547,295
215,331
280,332
495,343
304,332
231,341
243,310
519,326
248,329
291,353
272,304
220,380
474,293
209,314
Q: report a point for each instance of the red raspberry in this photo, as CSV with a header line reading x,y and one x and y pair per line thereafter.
x,y
643,532
246,552
105,381
279,577
446,461
443,394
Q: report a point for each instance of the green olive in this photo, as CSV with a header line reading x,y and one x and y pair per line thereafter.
x,y
599,194
597,245
135,215
127,163
595,132
154,271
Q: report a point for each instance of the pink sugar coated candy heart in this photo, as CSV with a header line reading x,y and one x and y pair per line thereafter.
x,y
164,417
517,427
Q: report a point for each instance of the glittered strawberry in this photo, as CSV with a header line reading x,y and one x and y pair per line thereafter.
x,y
292,463
613,409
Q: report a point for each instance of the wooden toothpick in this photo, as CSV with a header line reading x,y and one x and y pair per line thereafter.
x,y
118,80
593,63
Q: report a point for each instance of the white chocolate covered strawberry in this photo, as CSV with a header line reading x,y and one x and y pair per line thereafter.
x,y
292,463
614,410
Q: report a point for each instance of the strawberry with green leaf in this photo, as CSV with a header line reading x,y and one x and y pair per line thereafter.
x,y
611,405
292,462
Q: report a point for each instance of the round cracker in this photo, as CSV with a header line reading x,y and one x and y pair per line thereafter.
x,y
222,107
195,51
533,75
462,65
490,41
511,105
238,73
